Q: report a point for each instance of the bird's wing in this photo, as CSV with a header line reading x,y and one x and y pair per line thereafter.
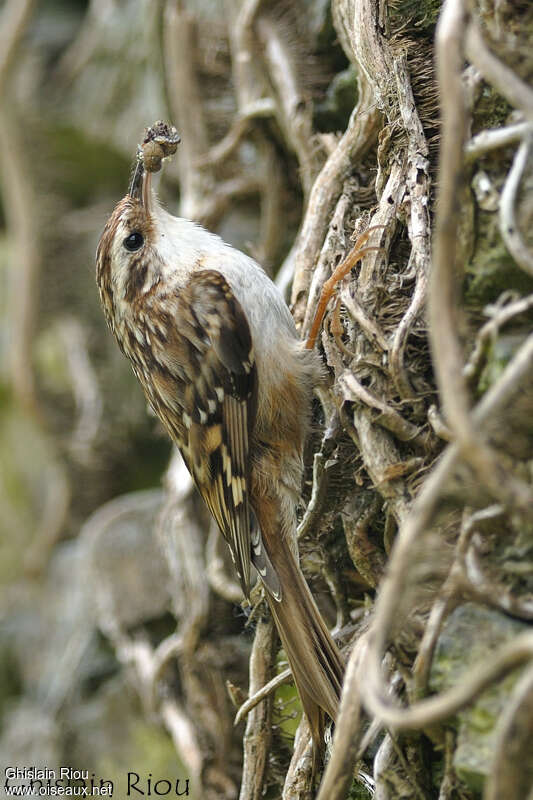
x,y
219,407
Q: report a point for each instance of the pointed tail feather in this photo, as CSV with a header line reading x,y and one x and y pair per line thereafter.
x,y
313,656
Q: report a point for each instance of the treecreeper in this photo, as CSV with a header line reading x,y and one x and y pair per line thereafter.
x,y
215,348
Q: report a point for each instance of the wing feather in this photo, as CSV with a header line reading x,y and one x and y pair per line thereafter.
x,y
220,408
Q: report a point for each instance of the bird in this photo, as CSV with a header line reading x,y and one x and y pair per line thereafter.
x,y
216,351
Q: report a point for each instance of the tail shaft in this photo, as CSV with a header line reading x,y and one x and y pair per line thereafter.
x,y
314,659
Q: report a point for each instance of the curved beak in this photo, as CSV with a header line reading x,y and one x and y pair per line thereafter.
x,y
141,182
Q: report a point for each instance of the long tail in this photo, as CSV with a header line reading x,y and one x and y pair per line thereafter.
x,y
315,661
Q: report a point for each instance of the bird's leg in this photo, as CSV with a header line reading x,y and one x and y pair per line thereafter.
x,y
336,328
357,252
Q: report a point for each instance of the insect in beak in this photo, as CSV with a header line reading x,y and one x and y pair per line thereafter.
x,y
160,141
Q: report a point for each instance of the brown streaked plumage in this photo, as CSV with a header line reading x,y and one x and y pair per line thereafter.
x,y
215,349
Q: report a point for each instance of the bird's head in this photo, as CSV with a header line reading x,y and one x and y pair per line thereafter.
x,y
133,247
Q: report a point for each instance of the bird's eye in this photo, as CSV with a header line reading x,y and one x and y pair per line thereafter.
x,y
134,241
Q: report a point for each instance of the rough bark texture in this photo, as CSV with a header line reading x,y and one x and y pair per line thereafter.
x,y
388,143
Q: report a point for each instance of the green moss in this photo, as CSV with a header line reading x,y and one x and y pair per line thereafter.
x,y
470,636
287,701
499,354
437,769
491,110
333,113
358,791
492,270
423,14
